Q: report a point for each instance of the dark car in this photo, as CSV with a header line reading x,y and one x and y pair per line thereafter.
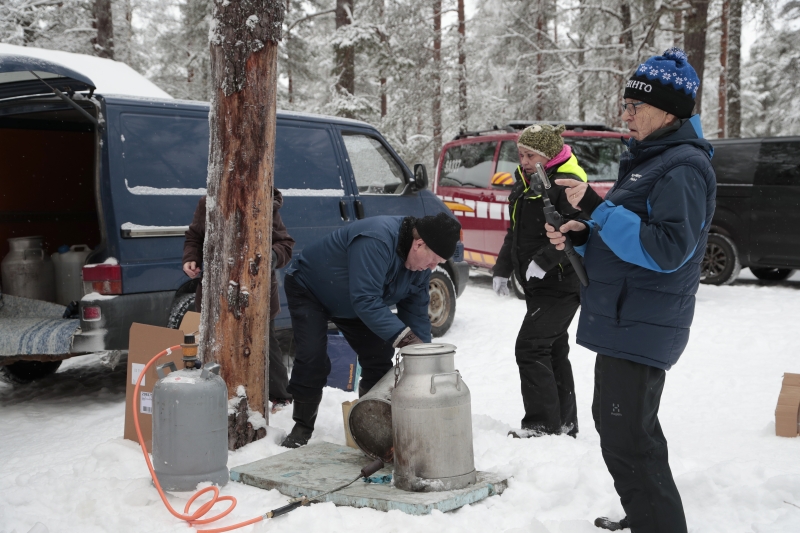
x,y
757,220
124,175
475,172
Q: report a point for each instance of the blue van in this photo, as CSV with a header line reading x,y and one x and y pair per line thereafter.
x,y
124,175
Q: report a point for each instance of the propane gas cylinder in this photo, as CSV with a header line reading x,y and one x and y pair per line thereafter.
x,y
190,424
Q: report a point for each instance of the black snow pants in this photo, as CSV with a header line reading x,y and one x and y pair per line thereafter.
x,y
542,352
311,362
627,396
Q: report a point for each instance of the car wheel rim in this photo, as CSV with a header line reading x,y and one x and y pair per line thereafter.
x,y
715,261
439,307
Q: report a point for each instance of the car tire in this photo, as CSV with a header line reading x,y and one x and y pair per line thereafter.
x,y
772,274
180,306
442,306
27,371
516,286
721,264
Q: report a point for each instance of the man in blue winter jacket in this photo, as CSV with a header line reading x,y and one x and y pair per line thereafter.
x,y
352,278
643,249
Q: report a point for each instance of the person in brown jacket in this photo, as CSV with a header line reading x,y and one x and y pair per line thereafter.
x,y
282,245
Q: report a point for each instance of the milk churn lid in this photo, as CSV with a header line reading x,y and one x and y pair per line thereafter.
x,y
427,349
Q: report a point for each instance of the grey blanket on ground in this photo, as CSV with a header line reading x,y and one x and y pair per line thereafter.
x,y
29,327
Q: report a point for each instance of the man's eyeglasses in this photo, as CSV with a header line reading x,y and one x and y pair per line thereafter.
x,y
630,107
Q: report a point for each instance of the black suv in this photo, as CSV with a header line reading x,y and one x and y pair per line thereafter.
x,y
757,220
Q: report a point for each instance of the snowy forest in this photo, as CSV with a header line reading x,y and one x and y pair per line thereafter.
x,y
422,70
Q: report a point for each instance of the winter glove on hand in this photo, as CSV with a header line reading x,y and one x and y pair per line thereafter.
x,y
534,271
406,338
500,286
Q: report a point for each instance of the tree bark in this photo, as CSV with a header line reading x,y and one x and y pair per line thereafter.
x,y
541,26
695,43
627,26
649,8
462,67
734,66
437,79
678,41
345,55
238,244
723,73
104,41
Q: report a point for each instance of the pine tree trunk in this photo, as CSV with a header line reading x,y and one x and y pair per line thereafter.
x,y
238,244
734,66
345,55
437,79
695,43
678,41
540,29
627,29
104,41
723,73
462,67
649,8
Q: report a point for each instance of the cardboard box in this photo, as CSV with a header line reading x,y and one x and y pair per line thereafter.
x,y
787,412
145,342
348,437
190,323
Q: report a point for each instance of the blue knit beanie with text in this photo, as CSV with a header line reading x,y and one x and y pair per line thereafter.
x,y
667,82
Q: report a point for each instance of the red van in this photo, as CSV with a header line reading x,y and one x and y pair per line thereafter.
x,y
475,173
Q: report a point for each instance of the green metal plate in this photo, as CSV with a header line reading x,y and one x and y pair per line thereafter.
x,y
319,467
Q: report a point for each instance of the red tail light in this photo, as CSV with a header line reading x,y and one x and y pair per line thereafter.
x,y
91,313
103,279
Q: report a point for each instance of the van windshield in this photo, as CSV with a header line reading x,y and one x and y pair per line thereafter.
x,y
468,165
599,157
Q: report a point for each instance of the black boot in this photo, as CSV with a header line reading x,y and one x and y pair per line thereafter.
x,y
605,523
304,416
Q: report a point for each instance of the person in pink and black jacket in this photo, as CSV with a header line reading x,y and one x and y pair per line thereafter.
x,y
550,283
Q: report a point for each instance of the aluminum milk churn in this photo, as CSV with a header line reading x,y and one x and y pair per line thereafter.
x,y
27,271
68,262
190,426
432,422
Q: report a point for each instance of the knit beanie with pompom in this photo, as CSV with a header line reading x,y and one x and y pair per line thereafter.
x,y
667,82
543,139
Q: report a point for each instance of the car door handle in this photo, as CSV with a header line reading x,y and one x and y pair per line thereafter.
x,y
343,210
359,210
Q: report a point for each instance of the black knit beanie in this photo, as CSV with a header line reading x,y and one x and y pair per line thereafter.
x,y
440,233
667,82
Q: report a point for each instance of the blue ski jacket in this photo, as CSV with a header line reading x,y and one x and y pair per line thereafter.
x,y
356,272
645,249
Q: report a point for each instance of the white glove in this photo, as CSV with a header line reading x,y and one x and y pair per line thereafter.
x,y
534,271
500,286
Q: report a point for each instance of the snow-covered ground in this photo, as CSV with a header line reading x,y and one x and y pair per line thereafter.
x,y
66,468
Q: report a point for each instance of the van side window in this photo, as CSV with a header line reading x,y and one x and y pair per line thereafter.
x,y
735,163
374,168
305,159
779,164
599,157
507,164
468,165
163,152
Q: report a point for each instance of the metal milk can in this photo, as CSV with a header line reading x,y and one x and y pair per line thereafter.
x,y
432,422
27,271
190,425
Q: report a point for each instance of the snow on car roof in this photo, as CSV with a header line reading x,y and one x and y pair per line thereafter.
x,y
108,76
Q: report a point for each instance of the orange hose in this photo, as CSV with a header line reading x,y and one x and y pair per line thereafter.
x,y
197,516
